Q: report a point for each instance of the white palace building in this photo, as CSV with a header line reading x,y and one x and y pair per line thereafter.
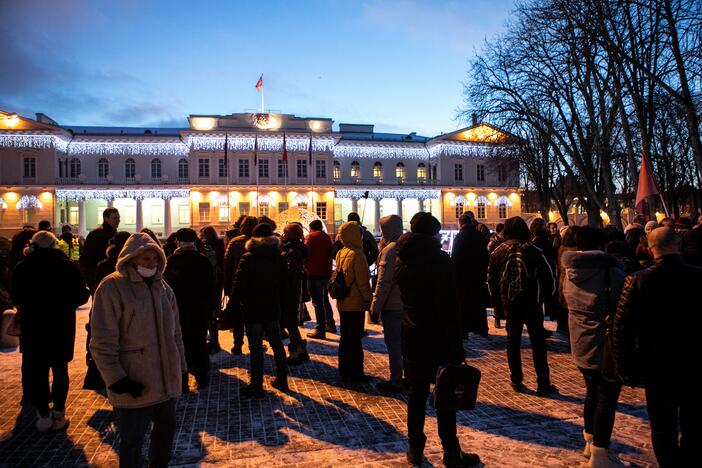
x,y
168,178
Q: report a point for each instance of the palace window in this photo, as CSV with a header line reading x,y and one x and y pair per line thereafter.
x,y
502,173
183,214
459,209
223,167
301,169
378,172
481,210
502,211
282,206
263,168
321,208
155,168
480,172
336,171
203,167
183,169
264,208
400,172
458,172
223,213
355,170
103,168
244,208
244,168
129,169
282,169
204,210
74,168
421,172
30,167
320,169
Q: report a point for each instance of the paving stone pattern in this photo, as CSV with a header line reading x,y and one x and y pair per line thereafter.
x,y
321,422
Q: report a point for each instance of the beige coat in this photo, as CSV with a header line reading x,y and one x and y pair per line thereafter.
x,y
136,331
353,263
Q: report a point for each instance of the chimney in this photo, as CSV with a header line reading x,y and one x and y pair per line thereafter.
x,y
474,118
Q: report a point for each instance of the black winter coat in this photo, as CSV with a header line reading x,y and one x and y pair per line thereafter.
x,y
94,251
647,337
294,254
191,277
260,280
692,246
470,258
47,288
430,321
106,266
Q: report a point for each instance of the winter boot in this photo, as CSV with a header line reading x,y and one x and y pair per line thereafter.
x,y
294,355
588,444
304,355
415,457
59,422
601,458
460,459
44,423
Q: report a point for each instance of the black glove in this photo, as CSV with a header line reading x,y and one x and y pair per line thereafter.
x,y
127,385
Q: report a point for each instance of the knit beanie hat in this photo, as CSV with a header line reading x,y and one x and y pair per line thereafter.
x,y
425,223
262,230
44,240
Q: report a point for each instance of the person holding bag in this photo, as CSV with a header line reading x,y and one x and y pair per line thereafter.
x,y
432,333
592,283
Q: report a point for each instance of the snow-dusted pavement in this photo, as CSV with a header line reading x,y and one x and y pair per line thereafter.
x,y
323,423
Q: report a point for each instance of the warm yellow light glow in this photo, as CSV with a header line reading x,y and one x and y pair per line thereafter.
x,y
45,196
450,196
604,216
11,197
10,120
329,195
316,126
195,196
470,196
659,216
514,196
492,196
252,196
482,133
273,195
213,195
551,216
234,197
203,123
292,195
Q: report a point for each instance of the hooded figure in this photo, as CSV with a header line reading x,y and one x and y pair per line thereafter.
x,y
352,262
137,346
47,288
387,300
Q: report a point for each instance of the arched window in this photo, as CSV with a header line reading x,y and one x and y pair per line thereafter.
x,y
421,172
355,170
155,168
183,169
400,172
74,168
336,172
103,168
129,169
378,171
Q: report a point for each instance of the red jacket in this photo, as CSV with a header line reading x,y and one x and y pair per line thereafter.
x,y
319,263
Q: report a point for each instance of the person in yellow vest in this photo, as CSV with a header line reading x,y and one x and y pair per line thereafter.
x,y
69,244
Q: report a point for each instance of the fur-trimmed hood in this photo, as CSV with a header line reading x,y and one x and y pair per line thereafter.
x,y
135,245
271,243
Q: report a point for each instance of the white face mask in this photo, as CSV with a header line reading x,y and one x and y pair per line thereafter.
x,y
146,272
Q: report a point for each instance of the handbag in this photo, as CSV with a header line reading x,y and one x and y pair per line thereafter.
x,y
456,387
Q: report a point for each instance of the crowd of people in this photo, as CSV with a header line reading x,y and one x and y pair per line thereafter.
x,y
157,311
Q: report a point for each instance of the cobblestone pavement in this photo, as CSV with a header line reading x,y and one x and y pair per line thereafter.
x,y
323,423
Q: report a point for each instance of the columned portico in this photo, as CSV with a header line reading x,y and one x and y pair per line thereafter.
x,y
167,223
376,205
81,218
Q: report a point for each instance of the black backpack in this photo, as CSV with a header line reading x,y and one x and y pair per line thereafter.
x,y
337,285
515,278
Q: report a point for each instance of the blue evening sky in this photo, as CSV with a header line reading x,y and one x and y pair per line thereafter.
x,y
399,64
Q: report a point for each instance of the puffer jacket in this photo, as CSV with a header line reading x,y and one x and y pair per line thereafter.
x,y
588,278
387,294
648,340
136,332
260,280
351,260
430,323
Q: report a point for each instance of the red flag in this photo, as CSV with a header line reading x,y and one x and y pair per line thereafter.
x,y
259,83
285,149
647,183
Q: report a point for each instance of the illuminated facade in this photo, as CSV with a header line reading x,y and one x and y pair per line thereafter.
x,y
165,179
